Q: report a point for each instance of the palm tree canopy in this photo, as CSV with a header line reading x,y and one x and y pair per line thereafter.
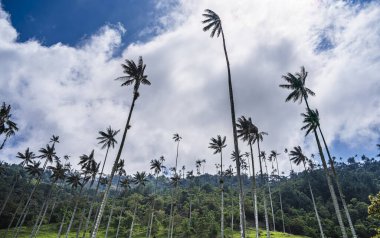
x,y
135,74
6,124
54,139
48,153
156,165
120,168
140,178
311,120
212,21
246,130
86,160
177,137
103,180
59,172
190,174
34,169
107,139
234,156
175,179
217,144
74,180
27,157
259,136
126,183
297,156
229,172
297,84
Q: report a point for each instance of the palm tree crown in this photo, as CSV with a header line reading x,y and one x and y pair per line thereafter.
x,y
140,178
48,153
246,129
34,169
297,84
217,144
135,75
27,157
297,156
212,21
311,120
107,139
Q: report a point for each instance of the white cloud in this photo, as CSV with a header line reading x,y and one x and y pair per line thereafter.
x,y
69,91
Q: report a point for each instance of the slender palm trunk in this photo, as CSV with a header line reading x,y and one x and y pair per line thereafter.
x,y
105,197
232,215
9,193
94,198
133,221
62,223
38,219
279,192
113,204
119,222
5,140
171,213
264,195
73,215
331,188
22,222
222,196
236,145
270,196
254,193
14,216
81,222
335,176
314,204
152,214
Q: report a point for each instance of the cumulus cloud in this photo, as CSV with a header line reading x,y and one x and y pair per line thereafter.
x,y
69,91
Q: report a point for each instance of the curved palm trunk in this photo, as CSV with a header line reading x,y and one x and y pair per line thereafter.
x,y
133,221
331,188
279,191
270,196
335,176
236,145
254,193
264,196
105,197
73,215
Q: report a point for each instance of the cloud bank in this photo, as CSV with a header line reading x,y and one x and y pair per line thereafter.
x,y
70,91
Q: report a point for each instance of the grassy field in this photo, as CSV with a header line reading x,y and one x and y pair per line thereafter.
x,y
50,231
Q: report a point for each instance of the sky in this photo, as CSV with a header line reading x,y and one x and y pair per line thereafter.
x,y
59,59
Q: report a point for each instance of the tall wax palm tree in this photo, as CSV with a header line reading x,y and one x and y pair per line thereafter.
x,y
257,138
75,180
247,132
26,158
273,155
291,167
49,155
299,93
135,75
174,181
54,139
126,184
190,176
217,144
139,179
177,138
121,172
58,173
263,157
311,121
298,157
214,23
156,165
107,140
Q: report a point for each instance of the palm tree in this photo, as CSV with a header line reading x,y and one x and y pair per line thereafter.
x,y
229,173
298,157
126,184
156,166
75,180
139,179
217,144
190,176
273,155
58,173
213,22
291,167
135,75
135,198
174,181
121,172
177,138
7,126
299,93
247,131
263,157
311,121
259,136
26,158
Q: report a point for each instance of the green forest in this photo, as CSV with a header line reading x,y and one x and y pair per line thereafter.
x,y
43,194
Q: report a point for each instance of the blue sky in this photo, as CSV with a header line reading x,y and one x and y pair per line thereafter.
x,y
68,88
